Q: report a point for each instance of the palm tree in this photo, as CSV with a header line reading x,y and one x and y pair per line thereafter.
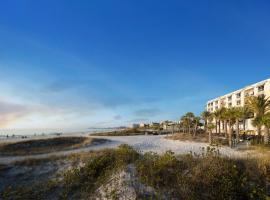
x,y
210,128
190,117
217,115
205,116
239,115
231,117
187,121
196,122
258,122
259,105
183,123
266,123
246,113
224,119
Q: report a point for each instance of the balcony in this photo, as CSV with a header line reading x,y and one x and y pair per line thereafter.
x,y
261,88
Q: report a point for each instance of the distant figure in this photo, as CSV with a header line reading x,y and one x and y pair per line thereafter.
x,y
7,136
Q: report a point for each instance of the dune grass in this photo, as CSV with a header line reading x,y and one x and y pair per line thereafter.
x,y
42,146
125,132
207,176
202,137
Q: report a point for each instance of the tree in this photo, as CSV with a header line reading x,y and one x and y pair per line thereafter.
x,y
231,118
224,119
187,120
190,117
239,115
217,115
205,116
246,114
266,123
210,128
196,122
184,123
259,105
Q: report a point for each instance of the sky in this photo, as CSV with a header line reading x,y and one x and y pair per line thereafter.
x,y
105,63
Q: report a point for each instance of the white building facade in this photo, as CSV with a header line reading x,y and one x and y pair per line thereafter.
x,y
238,98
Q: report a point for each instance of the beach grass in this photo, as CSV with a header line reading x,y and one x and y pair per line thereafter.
x,y
205,176
49,145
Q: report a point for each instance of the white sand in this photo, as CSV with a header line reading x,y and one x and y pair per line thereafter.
x,y
142,143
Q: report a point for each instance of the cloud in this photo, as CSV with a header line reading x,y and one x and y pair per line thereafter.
x,y
138,120
58,86
11,112
117,117
149,112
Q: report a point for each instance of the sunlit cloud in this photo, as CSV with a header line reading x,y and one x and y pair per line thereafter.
x,y
10,112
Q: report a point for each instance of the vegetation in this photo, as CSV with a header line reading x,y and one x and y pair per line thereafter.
x,y
41,146
207,176
205,116
257,108
188,137
79,182
229,119
203,177
125,132
189,123
266,123
260,106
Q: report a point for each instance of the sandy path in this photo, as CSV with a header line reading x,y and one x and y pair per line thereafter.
x,y
141,143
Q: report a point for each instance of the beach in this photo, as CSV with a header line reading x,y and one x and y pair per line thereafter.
x,y
142,143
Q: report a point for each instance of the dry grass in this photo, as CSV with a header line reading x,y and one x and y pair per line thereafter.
x,y
126,132
216,140
43,146
206,176
188,137
38,161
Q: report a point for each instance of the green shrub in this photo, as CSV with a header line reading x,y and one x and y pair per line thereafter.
x,y
98,169
207,176
202,177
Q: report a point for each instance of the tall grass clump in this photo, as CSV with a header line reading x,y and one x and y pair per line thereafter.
x,y
97,170
206,176
78,182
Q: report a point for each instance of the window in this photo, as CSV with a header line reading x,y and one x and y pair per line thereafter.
x,y
238,95
229,98
261,88
238,102
230,104
216,102
216,107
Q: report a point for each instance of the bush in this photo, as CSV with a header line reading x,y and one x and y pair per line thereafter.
x,y
206,177
202,177
97,170
78,181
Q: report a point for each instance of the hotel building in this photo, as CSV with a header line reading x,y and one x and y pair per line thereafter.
x,y
238,98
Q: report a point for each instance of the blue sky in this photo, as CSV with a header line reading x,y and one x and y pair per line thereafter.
x,y
77,64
